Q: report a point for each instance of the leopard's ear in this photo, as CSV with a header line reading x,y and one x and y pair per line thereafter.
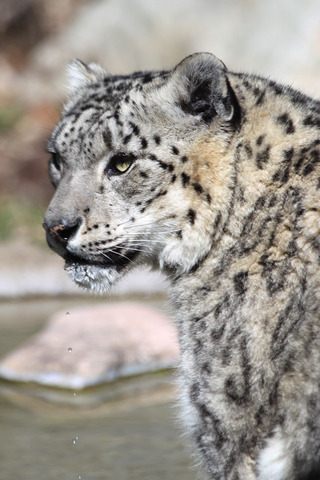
x,y
81,74
202,87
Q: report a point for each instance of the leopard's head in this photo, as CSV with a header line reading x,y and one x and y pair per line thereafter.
x,y
141,168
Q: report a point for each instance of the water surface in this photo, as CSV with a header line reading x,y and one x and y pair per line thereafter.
x,y
122,431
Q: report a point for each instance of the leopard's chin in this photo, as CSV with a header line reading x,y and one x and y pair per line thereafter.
x,y
97,278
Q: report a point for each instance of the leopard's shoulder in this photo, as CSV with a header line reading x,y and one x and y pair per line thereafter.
x,y
213,177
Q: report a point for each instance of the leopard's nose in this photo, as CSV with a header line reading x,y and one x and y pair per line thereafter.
x,y
59,234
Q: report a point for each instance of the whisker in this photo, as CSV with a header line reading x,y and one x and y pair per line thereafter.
x,y
140,225
130,243
120,254
161,232
135,249
140,242
123,223
110,259
169,217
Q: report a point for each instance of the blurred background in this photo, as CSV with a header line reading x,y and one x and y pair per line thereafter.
x,y
124,430
280,39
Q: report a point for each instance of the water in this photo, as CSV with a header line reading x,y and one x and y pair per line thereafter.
x,y
122,431
122,439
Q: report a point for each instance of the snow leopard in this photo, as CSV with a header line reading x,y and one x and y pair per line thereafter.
x,y
213,177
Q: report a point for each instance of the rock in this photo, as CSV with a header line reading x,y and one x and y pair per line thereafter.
x,y
93,345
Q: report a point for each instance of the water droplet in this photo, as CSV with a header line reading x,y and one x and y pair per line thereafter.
x,y
77,438
74,394
67,313
69,349
79,477
74,441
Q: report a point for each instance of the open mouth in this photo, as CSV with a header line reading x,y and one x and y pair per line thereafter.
x,y
98,274
115,259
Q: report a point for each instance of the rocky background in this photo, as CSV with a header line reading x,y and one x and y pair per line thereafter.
x,y
39,37
280,39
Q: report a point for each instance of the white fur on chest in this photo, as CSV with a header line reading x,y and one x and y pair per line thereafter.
x,y
274,463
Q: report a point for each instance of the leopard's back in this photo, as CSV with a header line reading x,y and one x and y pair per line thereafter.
x,y
213,177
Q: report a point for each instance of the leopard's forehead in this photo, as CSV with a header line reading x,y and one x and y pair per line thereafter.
x,y
94,119
111,90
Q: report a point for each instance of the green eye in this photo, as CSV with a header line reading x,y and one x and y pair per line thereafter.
x,y
119,164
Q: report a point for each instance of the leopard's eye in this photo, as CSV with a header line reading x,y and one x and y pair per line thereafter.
x,y
56,161
119,164
122,164
55,168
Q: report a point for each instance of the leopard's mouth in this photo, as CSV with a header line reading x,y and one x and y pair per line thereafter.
x,y
98,273
114,259
118,257
95,271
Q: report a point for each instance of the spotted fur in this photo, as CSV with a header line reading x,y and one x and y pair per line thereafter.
x,y
222,193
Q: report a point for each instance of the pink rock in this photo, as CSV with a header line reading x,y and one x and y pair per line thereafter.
x,y
93,345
